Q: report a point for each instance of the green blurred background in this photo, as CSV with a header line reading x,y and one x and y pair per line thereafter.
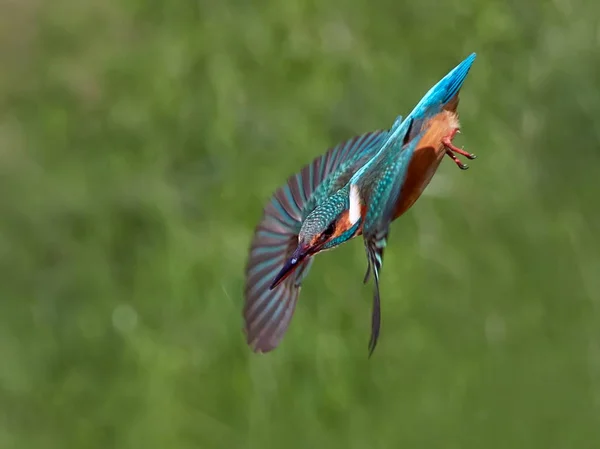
x,y
139,141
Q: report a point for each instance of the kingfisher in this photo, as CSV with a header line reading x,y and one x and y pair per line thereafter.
x,y
356,188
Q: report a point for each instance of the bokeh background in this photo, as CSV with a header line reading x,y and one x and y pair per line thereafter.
x,y
139,141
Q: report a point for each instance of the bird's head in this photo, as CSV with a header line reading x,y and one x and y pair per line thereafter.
x,y
331,223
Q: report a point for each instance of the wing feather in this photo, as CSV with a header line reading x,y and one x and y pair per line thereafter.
x,y
267,313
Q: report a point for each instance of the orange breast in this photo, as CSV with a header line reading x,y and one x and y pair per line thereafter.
x,y
426,159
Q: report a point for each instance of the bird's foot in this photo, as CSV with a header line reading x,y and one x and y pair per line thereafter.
x,y
451,149
456,160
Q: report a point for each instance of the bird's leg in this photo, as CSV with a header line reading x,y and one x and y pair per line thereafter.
x,y
451,149
447,141
456,160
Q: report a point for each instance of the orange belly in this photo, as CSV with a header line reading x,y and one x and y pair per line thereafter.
x,y
426,159
424,163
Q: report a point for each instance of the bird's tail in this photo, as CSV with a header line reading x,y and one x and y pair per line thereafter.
x,y
445,89
454,80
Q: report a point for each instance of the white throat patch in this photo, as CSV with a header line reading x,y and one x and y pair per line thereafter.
x,y
354,212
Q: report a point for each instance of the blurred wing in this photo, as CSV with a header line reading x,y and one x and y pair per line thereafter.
x,y
267,313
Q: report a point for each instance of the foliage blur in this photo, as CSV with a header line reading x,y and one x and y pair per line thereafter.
x,y
139,141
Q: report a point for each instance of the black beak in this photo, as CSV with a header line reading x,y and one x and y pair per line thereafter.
x,y
298,256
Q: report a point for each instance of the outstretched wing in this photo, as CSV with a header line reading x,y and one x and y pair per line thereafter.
x,y
267,313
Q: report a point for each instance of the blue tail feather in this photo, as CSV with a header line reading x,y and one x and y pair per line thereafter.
x,y
444,90
456,78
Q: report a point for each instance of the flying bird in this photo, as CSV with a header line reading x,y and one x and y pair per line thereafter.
x,y
356,188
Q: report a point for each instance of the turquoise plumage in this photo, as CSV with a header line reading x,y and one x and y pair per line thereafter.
x,y
267,312
355,188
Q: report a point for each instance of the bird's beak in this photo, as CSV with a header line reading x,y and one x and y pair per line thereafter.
x,y
298,256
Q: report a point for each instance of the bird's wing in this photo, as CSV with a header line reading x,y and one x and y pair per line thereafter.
x,y
267,313
380,191
331,171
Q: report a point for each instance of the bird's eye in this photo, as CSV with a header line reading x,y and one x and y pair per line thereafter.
x,y
329,231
